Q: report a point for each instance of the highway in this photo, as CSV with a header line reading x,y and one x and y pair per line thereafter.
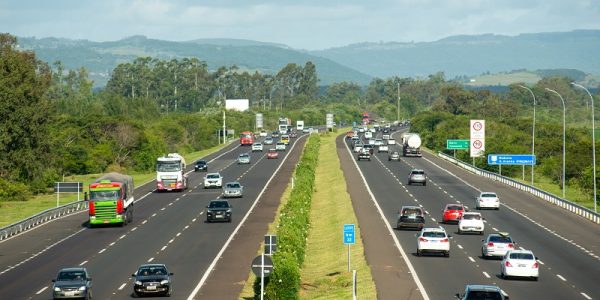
x,y
567,246
167,228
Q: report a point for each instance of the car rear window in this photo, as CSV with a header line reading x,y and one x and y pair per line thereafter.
x,y
483,295
233,185
471,217
418,172
455,207
500,239
521,256
488,195
411,211
434,234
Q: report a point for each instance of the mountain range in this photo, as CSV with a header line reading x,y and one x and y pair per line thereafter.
x,y
464,55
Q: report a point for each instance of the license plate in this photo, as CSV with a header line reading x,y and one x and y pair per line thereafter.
x,y
173,185
522,266
151,288
218,216
70,294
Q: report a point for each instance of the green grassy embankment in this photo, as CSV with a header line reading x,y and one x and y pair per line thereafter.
x,y
14,211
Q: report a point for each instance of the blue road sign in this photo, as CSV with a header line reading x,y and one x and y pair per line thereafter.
x,y
511,159
349,234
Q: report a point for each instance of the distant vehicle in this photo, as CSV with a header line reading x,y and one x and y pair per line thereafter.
x,y
372,130
365,118
386,130
272,154
306,130
233,189
394,155
433,240
487,200
471,222
411,144
218,210
213,180
293,135
349,134
371,142
391,142
378,142
478,292
201,165
417,176
361,130
257,147
170,173
262,133
285,138
246,138
284,125
72,283
268,141
364,154
280,146
299,125
369,147
355,138
520,263
275,134
368,135
496,245
452,212
385,137
411,217
244,158
357,147
110,200
152,279
383,148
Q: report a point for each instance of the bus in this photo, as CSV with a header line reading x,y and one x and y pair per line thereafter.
x,y
246,138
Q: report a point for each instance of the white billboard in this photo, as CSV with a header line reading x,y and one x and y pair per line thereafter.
x,y
237,104
329,120
477,138
259,120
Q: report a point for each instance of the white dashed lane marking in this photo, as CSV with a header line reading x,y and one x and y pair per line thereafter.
x,y
40,291
471,259
561,278
122,286
586,296
83,263
102,250
486,275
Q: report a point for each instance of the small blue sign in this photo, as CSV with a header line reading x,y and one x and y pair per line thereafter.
x,y
349,234
511,159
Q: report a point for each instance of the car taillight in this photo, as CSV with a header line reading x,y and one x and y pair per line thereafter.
x,y
536,265
445,240
422,239
510,245
490,244
507,263
92,209
119,206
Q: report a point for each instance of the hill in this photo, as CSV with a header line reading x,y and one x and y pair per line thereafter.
x,y
101,57
473,55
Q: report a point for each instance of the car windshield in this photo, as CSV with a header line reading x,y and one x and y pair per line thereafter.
x,y
233,185
521,256
411,211
173,166
243,155
483,295
488,195
154,270
200,162
500,239
104,195
213,176
71,275
454,207
219,204
472,217
434,234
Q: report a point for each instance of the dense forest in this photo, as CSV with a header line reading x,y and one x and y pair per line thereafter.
x,y
54,123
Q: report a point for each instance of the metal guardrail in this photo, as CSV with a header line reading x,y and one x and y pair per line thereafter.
x,y
41,218
566,204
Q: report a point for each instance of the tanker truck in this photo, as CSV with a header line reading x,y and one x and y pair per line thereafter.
x,y
110,200
411,144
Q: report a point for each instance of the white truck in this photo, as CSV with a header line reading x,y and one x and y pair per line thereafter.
x,y
411,144
299,125
170,173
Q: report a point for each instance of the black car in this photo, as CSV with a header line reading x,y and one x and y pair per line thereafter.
x,y
152,279
201,165
411,217
218,210
72,283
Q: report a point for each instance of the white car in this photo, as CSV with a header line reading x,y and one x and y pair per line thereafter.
x,y
383,148
357,147
496,245
385,136
372,130
280,146
257,147
361,130
371,142
391,142
433,240
368,135
378,142
471,222
520,263
262,133
487,200
213,180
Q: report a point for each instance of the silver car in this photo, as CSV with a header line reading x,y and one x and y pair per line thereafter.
x,y
72,283
244,158
417,176
233,189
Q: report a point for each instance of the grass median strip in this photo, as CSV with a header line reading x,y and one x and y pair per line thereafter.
x,y
325,271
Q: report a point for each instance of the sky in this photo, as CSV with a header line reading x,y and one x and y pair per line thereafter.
x,y
301,24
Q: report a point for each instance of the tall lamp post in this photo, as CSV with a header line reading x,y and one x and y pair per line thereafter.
x,y
593,141
532,130
564,140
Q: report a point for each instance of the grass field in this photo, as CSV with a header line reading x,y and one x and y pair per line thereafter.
x,y
325,272
505,79
14,211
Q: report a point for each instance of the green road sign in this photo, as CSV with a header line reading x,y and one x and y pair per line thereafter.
x,y
457,144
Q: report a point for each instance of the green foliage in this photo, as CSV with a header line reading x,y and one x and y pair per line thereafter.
x,y
13,191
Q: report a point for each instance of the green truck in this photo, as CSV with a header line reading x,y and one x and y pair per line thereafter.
x,y
111,200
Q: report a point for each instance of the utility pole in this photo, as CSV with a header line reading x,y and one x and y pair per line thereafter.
x,y
224,129
398,117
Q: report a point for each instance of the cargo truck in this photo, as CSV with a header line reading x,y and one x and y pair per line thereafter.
x,y
170,174
110,200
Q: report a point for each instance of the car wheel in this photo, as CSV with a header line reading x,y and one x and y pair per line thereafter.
x,y
459,231
535,279
229,220
447,254
419,253
502,275
497,208
481,233
424,183
409,183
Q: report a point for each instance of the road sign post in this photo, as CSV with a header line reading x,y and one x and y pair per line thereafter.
x,y
262,266
67,187
511,159
477,138
349,239
457,144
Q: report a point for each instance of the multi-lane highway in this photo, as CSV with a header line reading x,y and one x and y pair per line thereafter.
x,y
567,246
167,228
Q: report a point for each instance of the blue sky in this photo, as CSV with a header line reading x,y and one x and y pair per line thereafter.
x,y
304,24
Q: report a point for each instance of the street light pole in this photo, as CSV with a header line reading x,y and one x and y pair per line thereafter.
x,y
564,139
532,130
593,141
398,110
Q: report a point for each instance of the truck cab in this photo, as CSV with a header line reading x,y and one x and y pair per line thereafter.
x,y
170,173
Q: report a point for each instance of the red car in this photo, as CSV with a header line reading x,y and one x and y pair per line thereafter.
x,y
272,154
452,212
